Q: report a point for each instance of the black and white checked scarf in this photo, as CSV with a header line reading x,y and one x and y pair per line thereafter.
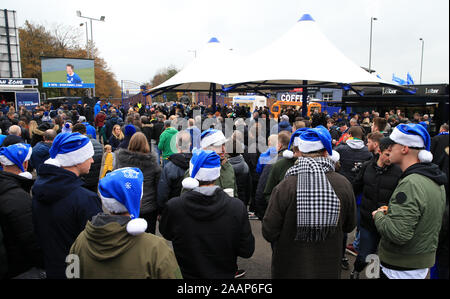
x,y
317,204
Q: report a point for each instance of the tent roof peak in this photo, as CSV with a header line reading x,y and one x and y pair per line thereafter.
x,y
306,17
213,40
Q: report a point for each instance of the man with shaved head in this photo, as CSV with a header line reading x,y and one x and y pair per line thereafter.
x,y
41,150
14,136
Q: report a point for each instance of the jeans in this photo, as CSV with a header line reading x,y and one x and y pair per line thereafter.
x,y
368,245
157,152
164,162
358,221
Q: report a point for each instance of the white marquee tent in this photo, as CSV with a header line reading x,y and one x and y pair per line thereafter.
x,y
301,57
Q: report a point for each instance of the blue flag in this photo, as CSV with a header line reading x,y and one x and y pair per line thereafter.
x,y
409,80
378,76
398,80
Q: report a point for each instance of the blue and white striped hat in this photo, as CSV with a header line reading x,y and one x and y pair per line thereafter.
x,y
204,166
121,191
212,137
69,149
15,154
414,136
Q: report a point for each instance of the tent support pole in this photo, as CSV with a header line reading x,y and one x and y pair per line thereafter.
x,y
213,96
304,98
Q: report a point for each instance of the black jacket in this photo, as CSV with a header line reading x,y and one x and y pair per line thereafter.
x,y
351,160
438,145
208,233
16,222
12,139
91,179
243,178
151,171
377,185
169,185
158,128
61,209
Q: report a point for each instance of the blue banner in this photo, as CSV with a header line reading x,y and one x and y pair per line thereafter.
x,y
18,81
68,85
29,100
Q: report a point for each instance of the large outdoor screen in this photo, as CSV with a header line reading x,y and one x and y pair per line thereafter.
x,y
67,72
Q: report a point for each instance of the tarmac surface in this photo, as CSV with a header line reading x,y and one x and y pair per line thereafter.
x,y
258,266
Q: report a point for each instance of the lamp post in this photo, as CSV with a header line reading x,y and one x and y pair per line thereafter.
x,y
195,52
370,47
102,19
87,37
421,60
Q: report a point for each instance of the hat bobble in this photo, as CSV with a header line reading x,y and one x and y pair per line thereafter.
x,y
288,154
425,156
136,226
190,183
335,156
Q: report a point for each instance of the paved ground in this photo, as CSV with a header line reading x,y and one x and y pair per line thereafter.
x,y
258,266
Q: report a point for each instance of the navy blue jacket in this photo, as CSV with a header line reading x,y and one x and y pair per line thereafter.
x,y
40,154
61,209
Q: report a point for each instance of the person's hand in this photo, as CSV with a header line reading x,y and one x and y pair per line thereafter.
x,y
380,209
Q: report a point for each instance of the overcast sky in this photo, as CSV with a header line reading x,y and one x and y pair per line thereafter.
x,y
140,37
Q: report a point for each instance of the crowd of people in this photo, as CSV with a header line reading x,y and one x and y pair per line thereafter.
x,y
99,182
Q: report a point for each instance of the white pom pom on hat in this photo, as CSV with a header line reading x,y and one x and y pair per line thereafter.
x,y
425,156
288,154
190,183
335,156
136,226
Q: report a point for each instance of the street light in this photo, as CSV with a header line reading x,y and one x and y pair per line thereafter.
x,y
87,38
370,48
195,52
421,60
102,19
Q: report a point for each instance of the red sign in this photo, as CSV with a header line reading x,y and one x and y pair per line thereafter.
x,y
297,90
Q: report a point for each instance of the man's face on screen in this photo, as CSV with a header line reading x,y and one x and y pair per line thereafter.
x,y
69,70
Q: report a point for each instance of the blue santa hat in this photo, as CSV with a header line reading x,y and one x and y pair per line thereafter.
x,y
316,139
414,136
69,149
121,191
16,154
204,166
212,137
295,137
130,130
66,128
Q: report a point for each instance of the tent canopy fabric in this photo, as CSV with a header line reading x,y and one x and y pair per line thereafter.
x,y
302,54
206,69
301,57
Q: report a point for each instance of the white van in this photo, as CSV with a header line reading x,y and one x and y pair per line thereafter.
x,y
251,101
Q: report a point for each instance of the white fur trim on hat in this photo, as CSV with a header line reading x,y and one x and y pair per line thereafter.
x,y
297,141
112,205
136,226
214,139
407,139
207,174
425,156
73,158
5,161
310,146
